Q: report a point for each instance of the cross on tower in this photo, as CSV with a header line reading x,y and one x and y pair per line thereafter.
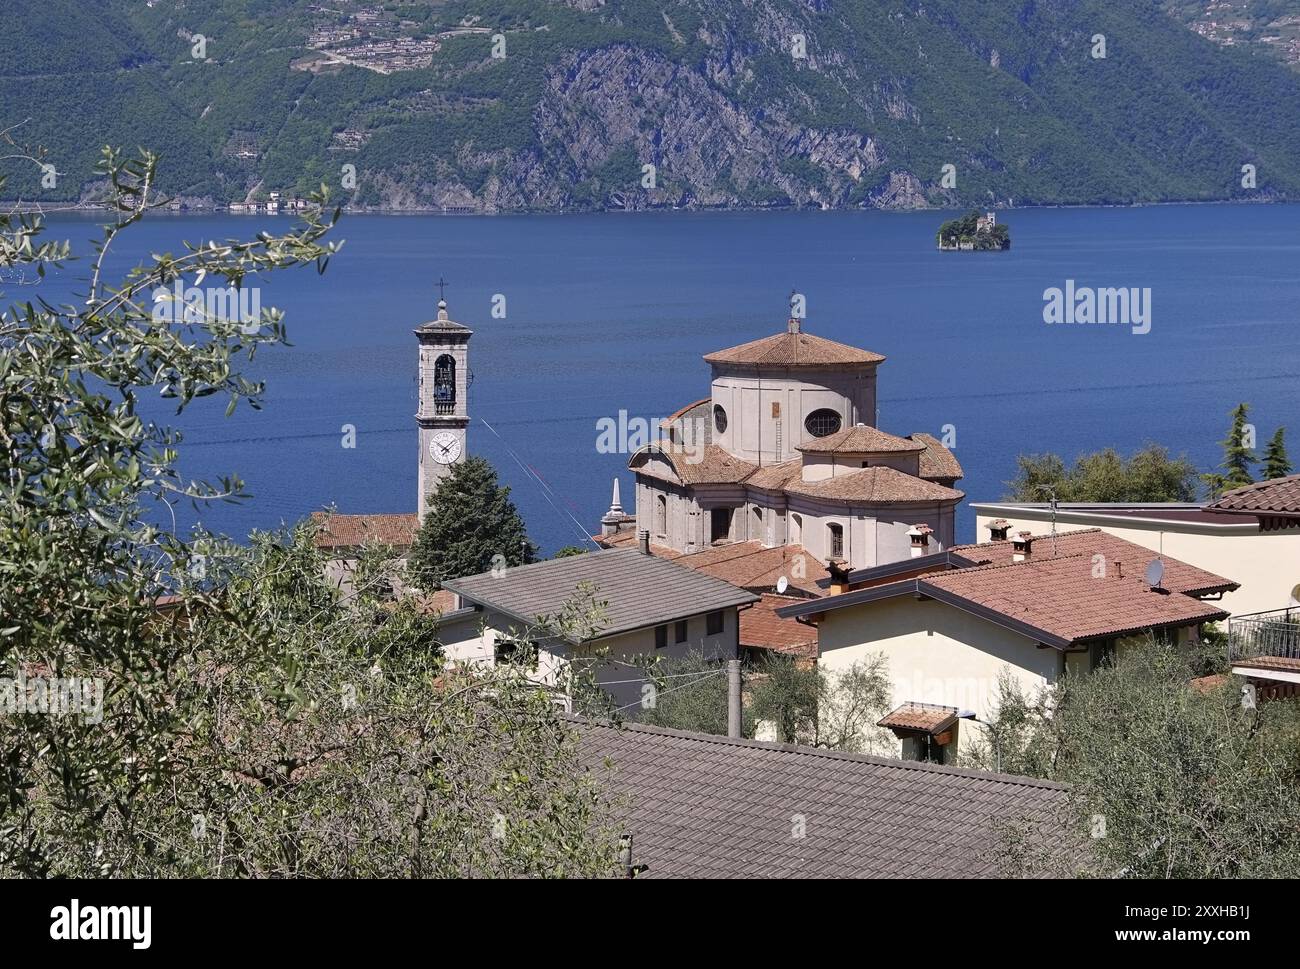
x,y
442,285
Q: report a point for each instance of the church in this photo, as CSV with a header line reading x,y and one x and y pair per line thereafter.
x,y
442,422
785,453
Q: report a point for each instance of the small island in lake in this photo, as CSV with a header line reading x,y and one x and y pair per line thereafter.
x,y
973,233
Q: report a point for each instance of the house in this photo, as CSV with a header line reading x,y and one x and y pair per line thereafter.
x,y
1264,645
342,538
785,452
1228,540
653,607
949,624
701,806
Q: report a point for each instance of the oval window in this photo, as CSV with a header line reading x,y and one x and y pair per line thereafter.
x,y
822,422
719,419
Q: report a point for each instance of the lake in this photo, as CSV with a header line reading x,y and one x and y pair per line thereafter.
x,y
613,312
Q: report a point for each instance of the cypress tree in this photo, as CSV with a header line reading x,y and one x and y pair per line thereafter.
x,y
1276,463
471,520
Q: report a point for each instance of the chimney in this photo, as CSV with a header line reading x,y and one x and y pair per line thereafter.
x,y
643,541
920,536
998,530
1020,547
839,576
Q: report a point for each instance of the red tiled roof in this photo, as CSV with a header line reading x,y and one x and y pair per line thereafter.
x,y
1062,597
1278,496
715,465
627,539
860,439
353,531
936,460
667,421
875,485
794,350
774,477
751,566
928,718
762,628
1131,558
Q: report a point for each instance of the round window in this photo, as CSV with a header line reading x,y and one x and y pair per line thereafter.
x,y
719,419
822,422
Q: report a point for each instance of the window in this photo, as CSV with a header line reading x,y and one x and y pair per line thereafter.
x,y
516,651
719,524
796,529
680,633
757,534
661,637
822,422
719,419
661,516
444,385
713,623
837,540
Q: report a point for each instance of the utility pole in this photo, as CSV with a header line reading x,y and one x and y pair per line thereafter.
x,y
733,698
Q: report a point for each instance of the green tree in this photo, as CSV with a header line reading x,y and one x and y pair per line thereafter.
x,y
1238,456
690,693
1276,462
471,526
1168,780
835,710
256,725
568,551
1150,475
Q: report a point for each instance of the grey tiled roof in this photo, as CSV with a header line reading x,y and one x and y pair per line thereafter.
x,y
700,806
640,590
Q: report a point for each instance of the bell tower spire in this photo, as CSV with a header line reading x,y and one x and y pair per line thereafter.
x,y
443,413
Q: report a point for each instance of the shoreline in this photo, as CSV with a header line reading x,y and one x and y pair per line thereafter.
x,y
29,208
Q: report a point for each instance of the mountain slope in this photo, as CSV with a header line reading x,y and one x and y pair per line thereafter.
x,y
709,92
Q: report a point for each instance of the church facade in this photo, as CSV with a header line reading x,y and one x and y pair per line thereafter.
x,y
785,452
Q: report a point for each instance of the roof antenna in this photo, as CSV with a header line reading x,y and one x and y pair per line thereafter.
x,y
1052,494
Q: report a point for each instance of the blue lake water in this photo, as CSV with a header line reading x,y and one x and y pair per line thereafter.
x,y
613,312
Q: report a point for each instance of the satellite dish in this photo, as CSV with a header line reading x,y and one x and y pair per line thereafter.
x,y
782,584
1155,572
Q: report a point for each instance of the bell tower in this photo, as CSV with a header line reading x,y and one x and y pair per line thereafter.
x,y
443,414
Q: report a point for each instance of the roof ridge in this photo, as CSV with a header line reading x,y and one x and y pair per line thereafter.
x,y
821,752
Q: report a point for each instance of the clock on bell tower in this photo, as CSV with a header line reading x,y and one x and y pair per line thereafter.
x,y
443,415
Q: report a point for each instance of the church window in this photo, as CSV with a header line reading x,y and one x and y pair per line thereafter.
x,y
661,516
444,385
822,422
719,419
837,540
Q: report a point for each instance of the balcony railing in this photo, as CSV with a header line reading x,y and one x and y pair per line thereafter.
x,y
1273,633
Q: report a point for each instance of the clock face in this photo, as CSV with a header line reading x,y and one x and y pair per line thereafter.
x,y
444,447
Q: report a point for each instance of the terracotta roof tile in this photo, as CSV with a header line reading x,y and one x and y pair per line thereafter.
x,y
762,628
774,477
1133,559
936,460
752,566
794,350
860,439
354,531
1062,597
875,485
1277,496
715,466
927,717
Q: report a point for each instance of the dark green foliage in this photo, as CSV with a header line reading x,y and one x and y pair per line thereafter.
x,y
471,526
1166,115
1150,475
1276,462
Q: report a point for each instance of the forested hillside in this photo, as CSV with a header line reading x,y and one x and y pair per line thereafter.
x,y
734,102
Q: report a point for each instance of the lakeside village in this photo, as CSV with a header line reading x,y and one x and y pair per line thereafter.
x,y
772,517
